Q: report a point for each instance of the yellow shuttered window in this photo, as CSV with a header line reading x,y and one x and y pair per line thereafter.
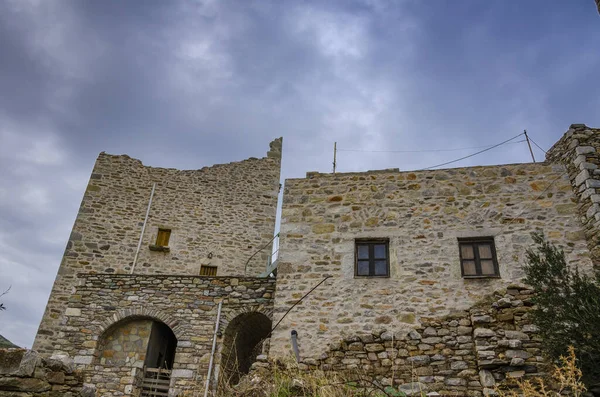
x,y
162,238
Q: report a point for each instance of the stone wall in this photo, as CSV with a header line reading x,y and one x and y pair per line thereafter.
x,y
464,354
218,216
108,307
579,150
422,214
23,373
125,345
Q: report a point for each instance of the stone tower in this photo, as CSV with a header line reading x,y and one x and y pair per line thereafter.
x,y
154,254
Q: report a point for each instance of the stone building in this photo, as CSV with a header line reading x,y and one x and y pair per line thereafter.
x,y
122,306
421,270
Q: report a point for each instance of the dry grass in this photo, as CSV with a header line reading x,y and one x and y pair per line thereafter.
x,y
285,379
565,380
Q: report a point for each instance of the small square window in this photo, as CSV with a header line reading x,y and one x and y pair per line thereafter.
x,y
162,238
372,258
208,270
478,257
162,241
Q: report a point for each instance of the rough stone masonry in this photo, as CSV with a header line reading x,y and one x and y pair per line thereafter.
x,y
424,322
218,216
421,216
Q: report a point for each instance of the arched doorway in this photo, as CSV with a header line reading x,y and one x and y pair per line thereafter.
x,y
142,346
161,347
137,342
242,343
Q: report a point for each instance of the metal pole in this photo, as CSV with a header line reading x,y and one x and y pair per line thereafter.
x,y
295,345
334,155
212,353
529,144
137,251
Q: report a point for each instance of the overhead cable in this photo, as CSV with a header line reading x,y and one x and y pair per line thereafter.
x,y
539,147
420,151
474,154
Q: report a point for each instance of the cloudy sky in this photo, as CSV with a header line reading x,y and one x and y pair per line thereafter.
x,y
191,83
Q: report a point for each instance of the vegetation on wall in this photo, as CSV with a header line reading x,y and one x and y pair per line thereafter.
x,y
288,381
565,381
2,307
567,307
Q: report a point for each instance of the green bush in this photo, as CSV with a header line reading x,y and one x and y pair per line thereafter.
x,y
567,307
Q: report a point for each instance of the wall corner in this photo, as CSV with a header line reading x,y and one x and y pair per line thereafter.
x,y
579,151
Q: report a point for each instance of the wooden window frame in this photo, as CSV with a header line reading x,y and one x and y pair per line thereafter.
x,y
159,247
475,242
208,267
168,233
371,243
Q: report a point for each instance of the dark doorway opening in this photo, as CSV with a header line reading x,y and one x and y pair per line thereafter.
x,y
161,347
242,343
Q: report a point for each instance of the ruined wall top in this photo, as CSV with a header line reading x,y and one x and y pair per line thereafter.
x,y
217,215
578,135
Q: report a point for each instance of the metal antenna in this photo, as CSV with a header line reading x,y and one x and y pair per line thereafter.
x,y
529,144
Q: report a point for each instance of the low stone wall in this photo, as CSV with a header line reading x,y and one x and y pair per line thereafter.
x,y
464,354
25,374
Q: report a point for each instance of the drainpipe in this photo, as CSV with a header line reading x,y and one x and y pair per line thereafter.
x,y
295,345
212,353
137,252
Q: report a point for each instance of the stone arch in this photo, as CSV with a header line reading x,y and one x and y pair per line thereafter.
x,y
228,315
243,337
140,331
140,312
150,325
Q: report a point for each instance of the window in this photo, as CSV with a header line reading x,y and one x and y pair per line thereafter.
x,y
162,241
208,270
162,238
372,258
478,257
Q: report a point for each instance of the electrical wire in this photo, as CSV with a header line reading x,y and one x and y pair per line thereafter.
x,y
539,147
473,154
294,305
420,151
254,254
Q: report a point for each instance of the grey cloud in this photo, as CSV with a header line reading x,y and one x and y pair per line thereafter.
x,y
187,84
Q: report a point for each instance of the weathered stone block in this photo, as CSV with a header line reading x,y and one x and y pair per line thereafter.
x,y
585,149
516,335
455,382
323,228
413,388
483,319
374,347
483,333
459,365
31,385
517,354
10,360
486,378
419,360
